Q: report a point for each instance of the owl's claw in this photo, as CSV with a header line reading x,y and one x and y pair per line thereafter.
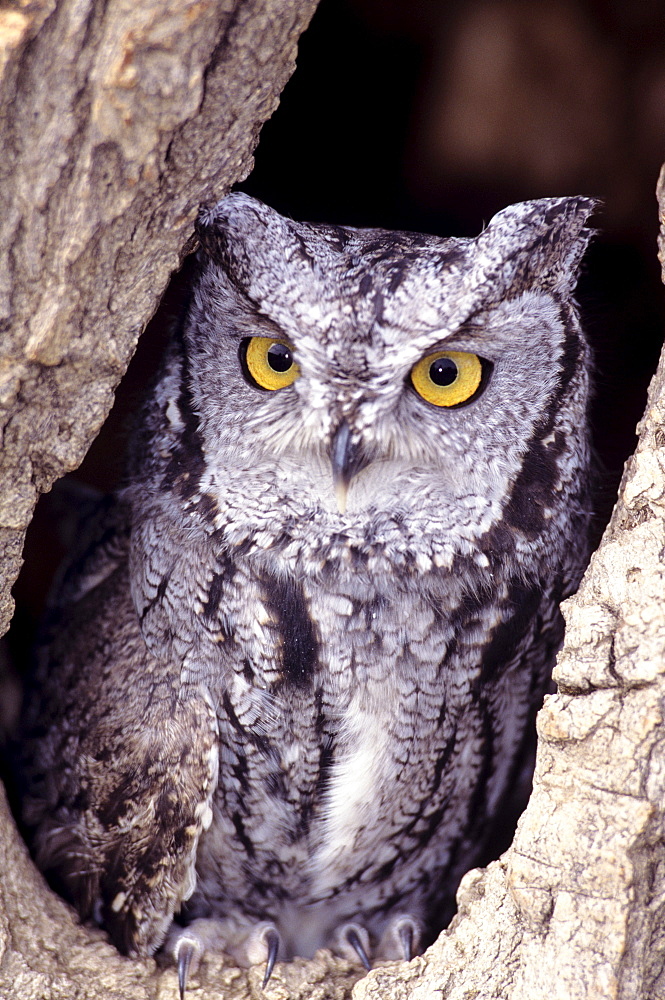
x,y
271,938
185,955
352,935
406,937
401,938
247,943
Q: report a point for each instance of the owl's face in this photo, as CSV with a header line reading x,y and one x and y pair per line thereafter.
x,y
346,374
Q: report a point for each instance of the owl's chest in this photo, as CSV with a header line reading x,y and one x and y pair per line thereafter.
x,y
312,655
343,697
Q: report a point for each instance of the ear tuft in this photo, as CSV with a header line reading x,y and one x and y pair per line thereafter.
x,y
551,234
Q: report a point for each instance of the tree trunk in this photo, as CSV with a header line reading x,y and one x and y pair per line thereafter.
x,y
117,120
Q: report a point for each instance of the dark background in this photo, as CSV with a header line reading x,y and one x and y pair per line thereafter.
x,y
431,116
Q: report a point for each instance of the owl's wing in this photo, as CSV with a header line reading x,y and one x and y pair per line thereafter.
x,y
120,766
150,810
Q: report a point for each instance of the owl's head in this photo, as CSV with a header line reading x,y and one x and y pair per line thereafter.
x,y
351,371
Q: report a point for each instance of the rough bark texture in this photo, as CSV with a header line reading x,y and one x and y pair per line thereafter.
x,y
117,120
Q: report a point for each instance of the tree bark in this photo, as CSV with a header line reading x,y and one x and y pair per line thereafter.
x,y
117,120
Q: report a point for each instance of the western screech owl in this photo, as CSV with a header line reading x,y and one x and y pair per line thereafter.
x,y
289,675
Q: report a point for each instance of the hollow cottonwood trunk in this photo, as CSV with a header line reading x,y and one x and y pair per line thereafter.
x,y
116,121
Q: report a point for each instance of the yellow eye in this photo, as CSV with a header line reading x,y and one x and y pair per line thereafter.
x,y
447,378
269,362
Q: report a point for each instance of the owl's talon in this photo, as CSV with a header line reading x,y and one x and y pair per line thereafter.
x,y
406,937
271,938
187,953
353,937
184,962
401,938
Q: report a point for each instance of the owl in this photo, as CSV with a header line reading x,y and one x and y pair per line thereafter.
x,y
287,679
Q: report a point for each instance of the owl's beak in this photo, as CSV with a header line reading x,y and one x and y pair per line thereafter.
x,y
346,461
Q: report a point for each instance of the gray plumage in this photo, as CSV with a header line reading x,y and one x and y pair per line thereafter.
x,y
292,669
